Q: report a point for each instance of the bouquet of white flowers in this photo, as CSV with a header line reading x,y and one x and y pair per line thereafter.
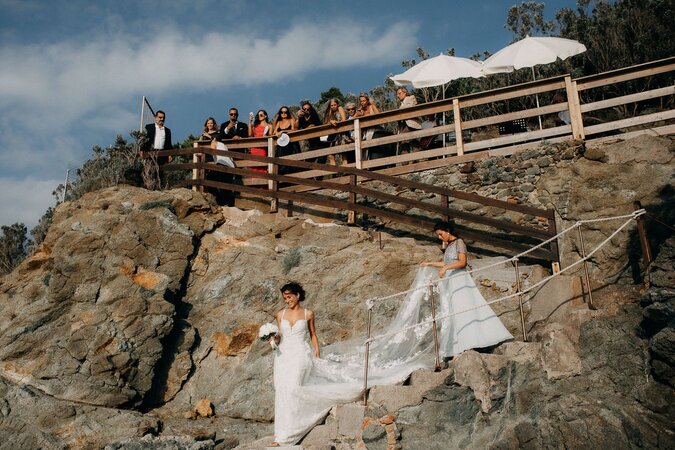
x,y
267,332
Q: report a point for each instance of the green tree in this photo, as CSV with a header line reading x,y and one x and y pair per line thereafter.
x,y
332,92
528,19
14,246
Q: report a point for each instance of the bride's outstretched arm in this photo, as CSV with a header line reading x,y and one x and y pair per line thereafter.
x,y
438,264
312,334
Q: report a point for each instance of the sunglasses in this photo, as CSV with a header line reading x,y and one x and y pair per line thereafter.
x,y
284,112
234,114
351,109
261,115
305,109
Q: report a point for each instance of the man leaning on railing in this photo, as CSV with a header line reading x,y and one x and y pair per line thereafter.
x,y
158,137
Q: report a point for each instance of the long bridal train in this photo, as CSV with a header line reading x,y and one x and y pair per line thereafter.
x,y
308,387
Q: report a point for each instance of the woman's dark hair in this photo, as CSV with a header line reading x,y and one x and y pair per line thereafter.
x,y
313,114
215,124
294,288
289,114
446,226
256,119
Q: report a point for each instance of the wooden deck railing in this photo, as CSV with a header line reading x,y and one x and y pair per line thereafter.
x,y
472,141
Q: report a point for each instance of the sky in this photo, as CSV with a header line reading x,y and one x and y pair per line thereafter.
x,y
73,72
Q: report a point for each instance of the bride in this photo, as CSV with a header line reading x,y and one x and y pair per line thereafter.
x,y
308,386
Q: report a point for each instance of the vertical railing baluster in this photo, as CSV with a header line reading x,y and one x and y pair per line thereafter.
x,y
586,276
434,327
367,354
520,300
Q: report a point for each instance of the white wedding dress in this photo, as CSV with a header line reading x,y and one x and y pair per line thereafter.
x,y
306,387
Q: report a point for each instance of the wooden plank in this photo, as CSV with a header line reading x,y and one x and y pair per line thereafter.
x,y
358,151
631,98
633,121
457,117
574,109
408,157
524,114
536,88
626,73
272,185
519,137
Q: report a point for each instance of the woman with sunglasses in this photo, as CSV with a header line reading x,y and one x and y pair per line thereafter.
x,y
285,122
258,126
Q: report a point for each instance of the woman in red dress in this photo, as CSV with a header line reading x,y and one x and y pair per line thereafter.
x,y
259,126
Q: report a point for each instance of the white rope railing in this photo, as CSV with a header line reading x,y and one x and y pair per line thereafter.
x,y
630,217
370,303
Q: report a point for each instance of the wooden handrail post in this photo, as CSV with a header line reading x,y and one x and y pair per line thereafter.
x,y
644,243
272,185
457,116
445,204
574,106
351,215
358,154
365,364
195,172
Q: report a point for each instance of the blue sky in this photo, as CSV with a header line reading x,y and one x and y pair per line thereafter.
x,y
73,71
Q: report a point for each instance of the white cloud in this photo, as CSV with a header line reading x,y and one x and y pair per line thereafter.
x,y
25,200
51,86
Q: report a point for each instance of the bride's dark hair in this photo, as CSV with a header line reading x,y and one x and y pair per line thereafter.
x,y
446,226
294,288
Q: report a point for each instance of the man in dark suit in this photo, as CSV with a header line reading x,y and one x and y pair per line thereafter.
x,y
158,137
232,128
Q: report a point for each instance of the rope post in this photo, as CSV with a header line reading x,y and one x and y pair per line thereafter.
x,y
586,277
272,185
520,301
351,216
365,365
437,360
644,243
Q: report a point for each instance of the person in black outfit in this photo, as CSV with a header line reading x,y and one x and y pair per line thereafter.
x,y
308,117
232,128
158,137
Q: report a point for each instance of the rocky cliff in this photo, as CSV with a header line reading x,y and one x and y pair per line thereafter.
x,y
134,325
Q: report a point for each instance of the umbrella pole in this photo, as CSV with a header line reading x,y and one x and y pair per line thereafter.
x,y
443,116
536,96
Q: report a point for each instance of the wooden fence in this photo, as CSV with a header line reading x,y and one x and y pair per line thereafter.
x,y
469,137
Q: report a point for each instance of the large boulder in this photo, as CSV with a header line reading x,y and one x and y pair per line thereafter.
x,y
84,318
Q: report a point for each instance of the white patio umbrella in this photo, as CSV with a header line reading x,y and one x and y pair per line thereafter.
x,y
532,51
438,71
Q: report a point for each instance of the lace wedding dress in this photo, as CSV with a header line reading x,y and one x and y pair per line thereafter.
x,y
306,388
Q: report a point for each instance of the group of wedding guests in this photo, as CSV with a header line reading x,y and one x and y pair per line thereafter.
x,y
285,120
